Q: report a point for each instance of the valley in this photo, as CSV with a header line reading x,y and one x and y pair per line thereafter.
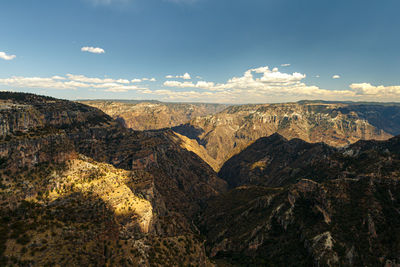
x,y
153,115
79,187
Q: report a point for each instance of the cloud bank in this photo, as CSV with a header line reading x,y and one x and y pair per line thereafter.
x,y
271,86
72,82
257,85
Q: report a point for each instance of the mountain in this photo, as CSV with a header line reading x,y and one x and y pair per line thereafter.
x,y
151,115
301,204
78,188
275,161
337,124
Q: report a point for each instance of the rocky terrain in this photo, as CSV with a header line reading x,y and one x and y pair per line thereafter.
x,y
78,188
300,204
151,115
337,124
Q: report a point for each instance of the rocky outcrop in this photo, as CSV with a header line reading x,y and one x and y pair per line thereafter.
x,y
341,208
336,124
137,210
145,115
78,188
275,161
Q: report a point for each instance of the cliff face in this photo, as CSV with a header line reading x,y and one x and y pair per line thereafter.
x,y
78,188
114,196
343,222
323,207
276,161
230,131
154,115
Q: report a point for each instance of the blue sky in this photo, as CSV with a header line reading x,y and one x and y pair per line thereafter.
x,y
224,46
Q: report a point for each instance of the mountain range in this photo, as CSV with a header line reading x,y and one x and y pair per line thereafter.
x,y
155,184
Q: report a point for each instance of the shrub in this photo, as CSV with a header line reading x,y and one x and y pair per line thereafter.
x,y
24,239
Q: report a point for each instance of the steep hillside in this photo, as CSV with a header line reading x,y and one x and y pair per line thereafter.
x,y
337,124
78,184
78,188
340,208
276,161
154,115
344,222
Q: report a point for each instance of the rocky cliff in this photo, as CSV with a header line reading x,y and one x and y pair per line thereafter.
x,y
153,115
78,188
336,124
323,206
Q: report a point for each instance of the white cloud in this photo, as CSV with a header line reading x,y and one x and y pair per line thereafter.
x,y
107,2
258,85
149,79
94,50
285,65
336,76
71,82
366,89
4,56
199,84
185,76
82,78
271,86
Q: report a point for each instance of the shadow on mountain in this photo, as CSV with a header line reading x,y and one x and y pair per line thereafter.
x,y
383,117
189,131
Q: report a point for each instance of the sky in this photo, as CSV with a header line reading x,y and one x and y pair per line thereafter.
x,y
219,51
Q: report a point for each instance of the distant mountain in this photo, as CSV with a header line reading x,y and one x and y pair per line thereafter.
x,y
77,189
151,115
323,206
337,124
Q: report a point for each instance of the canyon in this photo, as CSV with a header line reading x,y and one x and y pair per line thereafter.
x,y
311,183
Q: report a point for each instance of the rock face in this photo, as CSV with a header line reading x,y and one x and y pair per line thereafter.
x,y
340,207
275,161
154,115
78,184
336,124
78,188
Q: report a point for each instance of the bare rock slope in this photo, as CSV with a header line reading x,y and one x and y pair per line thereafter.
x,y
337,124
154,115
78,188
301,204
